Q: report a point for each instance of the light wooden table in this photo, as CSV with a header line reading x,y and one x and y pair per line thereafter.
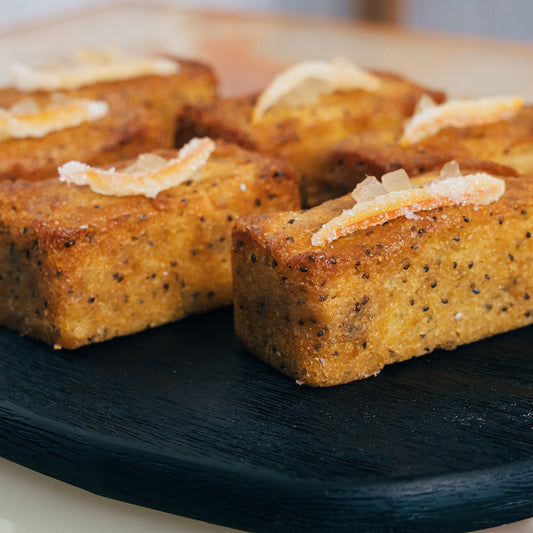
x,y
246,50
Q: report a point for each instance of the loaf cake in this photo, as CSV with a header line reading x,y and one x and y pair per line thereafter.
x,y
507,141
358,299
301,129
79,266
160,82
144,97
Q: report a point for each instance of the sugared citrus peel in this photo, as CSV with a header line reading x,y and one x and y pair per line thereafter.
x,y
28,119
88,67
431,118
148,176
304,82
379,202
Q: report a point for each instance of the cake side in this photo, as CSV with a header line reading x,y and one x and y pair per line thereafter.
x,y
332,314
80,267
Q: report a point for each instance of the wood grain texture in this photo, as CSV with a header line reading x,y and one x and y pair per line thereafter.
x,y
182,419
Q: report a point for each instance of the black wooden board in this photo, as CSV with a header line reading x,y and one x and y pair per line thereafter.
x,y
182,419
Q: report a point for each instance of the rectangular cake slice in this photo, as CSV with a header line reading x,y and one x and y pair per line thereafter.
x,y
338,311
160,82
507,142
139,112
78,267
301,133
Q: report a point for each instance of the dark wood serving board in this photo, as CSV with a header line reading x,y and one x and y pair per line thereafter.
x,y
182,419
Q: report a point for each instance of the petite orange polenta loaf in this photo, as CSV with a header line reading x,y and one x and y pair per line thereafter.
x,y
341,311
78,267
143,109
507,141
163,87
302,133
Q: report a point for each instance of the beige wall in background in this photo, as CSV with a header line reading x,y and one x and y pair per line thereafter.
x,y
498,18
510,19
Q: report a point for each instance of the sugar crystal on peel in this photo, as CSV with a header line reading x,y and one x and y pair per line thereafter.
x,y
368,189
397,180
450,170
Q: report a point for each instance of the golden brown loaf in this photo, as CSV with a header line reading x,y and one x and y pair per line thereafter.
x,y
194,83
123,132
302,134
505,142
142,116
78,267
330,314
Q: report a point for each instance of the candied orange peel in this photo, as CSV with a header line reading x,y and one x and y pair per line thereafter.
x,y
88,66
28,119
376,204
148,176
431,118
304,82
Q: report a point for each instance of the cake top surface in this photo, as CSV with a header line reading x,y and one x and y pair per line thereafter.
x,y
305,82
229,172
430,118
287,237
28,118
90,66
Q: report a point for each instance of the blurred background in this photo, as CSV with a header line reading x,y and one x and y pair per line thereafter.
x,y
509,19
